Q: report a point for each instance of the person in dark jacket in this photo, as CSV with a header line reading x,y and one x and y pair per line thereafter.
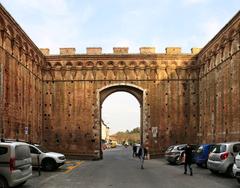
x,y
188,155
142,153
134,150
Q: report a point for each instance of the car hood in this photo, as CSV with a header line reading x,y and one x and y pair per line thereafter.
x,y
54,154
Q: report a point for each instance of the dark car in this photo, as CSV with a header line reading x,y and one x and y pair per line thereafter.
x,y
201,155
173,153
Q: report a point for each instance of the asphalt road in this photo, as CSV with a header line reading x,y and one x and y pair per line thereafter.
x,y
119,170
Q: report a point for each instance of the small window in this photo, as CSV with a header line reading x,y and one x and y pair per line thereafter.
x,y
219,148
3,150
34,150
236,148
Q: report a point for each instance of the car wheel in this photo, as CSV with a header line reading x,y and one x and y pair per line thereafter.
x,y
230,171
49,164
3,183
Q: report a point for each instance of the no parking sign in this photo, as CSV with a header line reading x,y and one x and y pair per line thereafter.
x,y
26,130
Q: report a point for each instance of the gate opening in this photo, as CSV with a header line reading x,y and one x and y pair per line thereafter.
x,y
121,117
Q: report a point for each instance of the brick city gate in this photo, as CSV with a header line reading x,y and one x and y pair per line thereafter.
x,y
185,97
74,87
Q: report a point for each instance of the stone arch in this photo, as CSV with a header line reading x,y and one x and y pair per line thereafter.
x,y
121,64
10,31
2,24
69,64
32,54
89,64
18,39
48,65
25,47
132,64
142,64
110,64
100,64
79,64
37,59
137,92
57,65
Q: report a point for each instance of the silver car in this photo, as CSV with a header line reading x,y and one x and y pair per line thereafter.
x,y
15,164
173,153
221,159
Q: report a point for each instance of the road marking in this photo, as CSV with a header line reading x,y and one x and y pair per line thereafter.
x,y
70,168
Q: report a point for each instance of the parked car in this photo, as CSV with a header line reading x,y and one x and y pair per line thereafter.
x,y
221,159
173,153
236,167
48,160
15,163
201,154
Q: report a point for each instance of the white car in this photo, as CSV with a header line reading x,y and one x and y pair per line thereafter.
x,y
15,164
236,167
47,160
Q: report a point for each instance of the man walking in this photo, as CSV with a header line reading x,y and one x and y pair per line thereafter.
x,y
188,159
134,150
142,152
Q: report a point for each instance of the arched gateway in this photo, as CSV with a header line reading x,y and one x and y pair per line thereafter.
x,y
137,92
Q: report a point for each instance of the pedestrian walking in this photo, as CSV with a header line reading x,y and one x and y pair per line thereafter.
x,y
134,150
142,152
188,159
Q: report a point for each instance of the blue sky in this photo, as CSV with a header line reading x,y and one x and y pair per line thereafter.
x,y
120,23
132,23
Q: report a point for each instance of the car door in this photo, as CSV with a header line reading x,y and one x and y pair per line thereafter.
x,y
34,154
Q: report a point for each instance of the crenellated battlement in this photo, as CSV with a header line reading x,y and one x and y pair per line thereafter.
x,y
121,51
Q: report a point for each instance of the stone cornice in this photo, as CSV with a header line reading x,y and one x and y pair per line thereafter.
x,y
122,57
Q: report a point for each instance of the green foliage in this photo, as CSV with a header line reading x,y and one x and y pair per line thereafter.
x,y
131,137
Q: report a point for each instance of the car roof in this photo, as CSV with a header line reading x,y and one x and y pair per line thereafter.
x,y
228,143
12,143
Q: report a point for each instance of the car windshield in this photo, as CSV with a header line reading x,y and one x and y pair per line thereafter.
x,y
200,149
181,147
42,149
219,148
170,148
